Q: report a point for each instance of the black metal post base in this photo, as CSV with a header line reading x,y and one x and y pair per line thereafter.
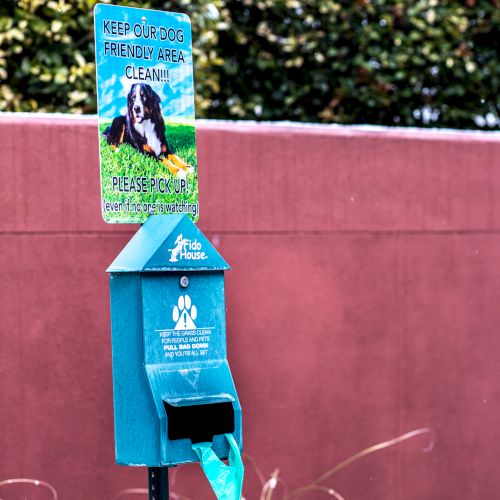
x,y
158,483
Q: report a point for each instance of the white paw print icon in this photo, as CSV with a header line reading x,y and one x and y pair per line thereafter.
x,y
184,313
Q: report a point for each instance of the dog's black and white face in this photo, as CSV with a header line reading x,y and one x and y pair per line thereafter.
x,y
143,126
142,102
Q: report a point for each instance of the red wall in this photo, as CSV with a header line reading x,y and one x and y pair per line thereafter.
x,y
363,303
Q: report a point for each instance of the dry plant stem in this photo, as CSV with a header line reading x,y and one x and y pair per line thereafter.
x,y
367,451
269,487
175,496
329,491
256,468
35,482
268,491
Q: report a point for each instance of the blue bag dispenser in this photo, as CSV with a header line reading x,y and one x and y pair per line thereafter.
x,y
172,386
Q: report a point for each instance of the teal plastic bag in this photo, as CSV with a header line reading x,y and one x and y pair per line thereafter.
x,y
226,480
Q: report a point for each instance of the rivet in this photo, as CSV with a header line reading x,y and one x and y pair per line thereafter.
x,y
184,281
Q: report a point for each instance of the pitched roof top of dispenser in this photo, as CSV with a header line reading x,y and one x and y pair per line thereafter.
x,y
168,243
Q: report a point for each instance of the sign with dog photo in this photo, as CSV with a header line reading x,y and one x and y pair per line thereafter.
x,y
145,94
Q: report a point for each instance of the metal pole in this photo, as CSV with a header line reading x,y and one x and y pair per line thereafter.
x,y
158,483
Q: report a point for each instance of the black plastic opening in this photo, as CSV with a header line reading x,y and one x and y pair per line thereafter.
x,y
199,423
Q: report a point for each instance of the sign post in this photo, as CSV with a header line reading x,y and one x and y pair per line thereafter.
x,y
158,483
174,397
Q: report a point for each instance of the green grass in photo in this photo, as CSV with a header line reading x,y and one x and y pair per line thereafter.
x,y
126,161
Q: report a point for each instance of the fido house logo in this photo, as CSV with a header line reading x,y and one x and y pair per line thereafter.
x,y
186,249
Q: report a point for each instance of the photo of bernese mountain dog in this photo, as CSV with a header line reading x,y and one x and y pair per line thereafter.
x,y
143,128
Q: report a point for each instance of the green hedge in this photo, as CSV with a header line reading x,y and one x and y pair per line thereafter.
x,y
397,62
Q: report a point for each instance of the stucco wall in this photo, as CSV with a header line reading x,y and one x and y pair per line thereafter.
x,y
363,302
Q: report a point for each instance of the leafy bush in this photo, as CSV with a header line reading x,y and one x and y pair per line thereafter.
x,y
392,62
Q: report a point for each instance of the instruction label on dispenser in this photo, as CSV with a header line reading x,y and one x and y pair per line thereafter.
x,y
186,343
185,340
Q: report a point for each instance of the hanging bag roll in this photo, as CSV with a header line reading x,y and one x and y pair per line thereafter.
x,y
226,480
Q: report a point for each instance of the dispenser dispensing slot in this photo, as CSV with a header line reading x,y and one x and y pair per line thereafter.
x,y
199,422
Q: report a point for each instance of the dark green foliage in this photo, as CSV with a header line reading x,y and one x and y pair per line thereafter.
x,y
391,62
